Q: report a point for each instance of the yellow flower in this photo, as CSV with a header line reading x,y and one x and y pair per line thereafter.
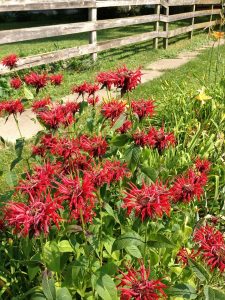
x,y
218,35
202,96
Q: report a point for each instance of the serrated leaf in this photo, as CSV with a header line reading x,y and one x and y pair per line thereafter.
x,y
213,294
199,270
106,288
65,246
183,290
15,162
48,286
150,172
120,140
111,212
158,240
51,256
63,294
119,122
126,240
28,94
11,179
19,147
133,251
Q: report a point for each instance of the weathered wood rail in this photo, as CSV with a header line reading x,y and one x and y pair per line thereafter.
x,y
199,9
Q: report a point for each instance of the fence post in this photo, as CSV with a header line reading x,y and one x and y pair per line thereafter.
x,y
193,22
92,16
166,28
211,17
157,12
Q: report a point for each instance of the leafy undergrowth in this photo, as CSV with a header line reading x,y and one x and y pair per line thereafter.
x,y
121,199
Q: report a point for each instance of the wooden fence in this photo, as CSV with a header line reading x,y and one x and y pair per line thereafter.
x,y
199,8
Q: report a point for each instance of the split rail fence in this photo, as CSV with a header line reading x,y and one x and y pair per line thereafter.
x,y
162,15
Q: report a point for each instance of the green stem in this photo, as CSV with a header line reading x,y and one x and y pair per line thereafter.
x,y
130,109
100,231
83,227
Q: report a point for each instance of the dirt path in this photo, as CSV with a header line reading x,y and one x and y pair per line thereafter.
x,y
29,125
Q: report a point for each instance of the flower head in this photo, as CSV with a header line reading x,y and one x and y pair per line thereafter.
x,y
187,187
143,108
41,105
148,201
11,107
128,79
15,83
95,146
125,127
56,79
108,79
159,139
80,195
85,87
33,218
36,80
212,246
93,100
10,61
113,109
136,284
202,165
185,254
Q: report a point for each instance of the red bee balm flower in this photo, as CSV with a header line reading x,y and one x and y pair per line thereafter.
x,y
158,139
125,127
143,108
15,83
212,246
11,107
36,80
128,79
95,146
148,201
80,194
93,100
56,79
140,138
113,109
186,188
202,165
41,105
108,79
136,284
85,87
10,61
33,218
185,254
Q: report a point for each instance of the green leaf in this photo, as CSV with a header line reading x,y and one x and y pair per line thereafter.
x,y
133,251
48,286
65,246
28,94
150,172
126,240
199,270
11,179
132,157
15,162
19,147
158,240
182,290
106,288
120,140
213,294
63,294
111,212
119,122
32,272
51,256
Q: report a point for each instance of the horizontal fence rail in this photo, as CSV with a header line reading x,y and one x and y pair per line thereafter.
x,y
161,15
